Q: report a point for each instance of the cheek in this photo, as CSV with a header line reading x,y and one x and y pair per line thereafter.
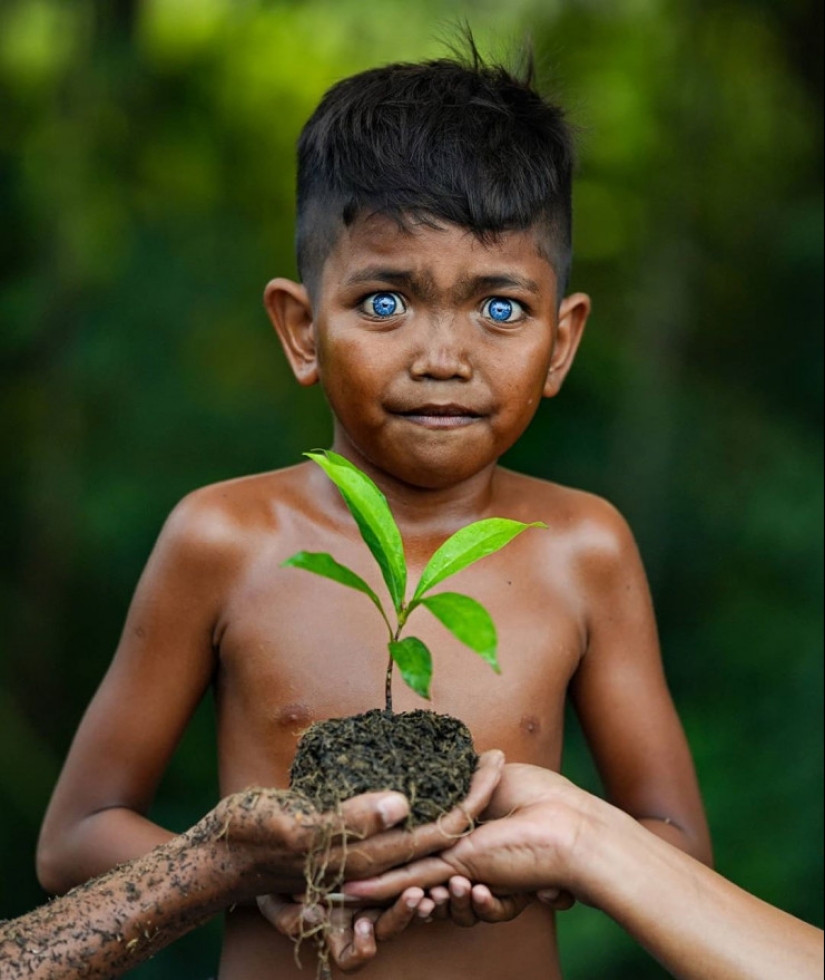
x,y
523,385
340,361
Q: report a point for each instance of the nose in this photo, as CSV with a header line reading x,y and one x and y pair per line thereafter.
x,y
443,351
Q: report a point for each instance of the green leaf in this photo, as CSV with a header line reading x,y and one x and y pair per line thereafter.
x,y
374,519
469,621
467,546
415,663
321,563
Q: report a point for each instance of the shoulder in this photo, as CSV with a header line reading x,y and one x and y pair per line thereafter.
x,y
590,527
226,517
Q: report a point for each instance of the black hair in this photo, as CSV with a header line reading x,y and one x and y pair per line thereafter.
x,y
453,140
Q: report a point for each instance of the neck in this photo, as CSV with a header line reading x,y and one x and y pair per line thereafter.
x,y
426,513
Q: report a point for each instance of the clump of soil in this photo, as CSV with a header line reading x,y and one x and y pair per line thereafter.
x,y
428,757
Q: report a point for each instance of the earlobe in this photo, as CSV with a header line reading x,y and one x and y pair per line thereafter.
x,y
290,310
573,314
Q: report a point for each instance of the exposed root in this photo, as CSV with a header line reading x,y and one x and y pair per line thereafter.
x,y
429,758
471,825
320,884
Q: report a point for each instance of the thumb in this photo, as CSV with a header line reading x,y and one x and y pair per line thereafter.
x,y
369,814
556,898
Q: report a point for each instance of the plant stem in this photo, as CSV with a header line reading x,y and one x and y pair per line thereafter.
x,y
388,685
388,695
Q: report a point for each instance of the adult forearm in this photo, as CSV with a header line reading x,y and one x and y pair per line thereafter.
x,y
697,924
115,922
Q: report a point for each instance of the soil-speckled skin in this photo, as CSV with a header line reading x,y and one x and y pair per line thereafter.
x,y
116,921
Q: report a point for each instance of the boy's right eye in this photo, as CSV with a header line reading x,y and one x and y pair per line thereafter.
x,y
383,305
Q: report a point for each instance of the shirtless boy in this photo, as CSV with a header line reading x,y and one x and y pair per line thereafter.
x,y
433,246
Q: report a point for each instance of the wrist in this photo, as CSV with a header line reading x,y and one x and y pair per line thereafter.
x,y
609,852
594,850
215,870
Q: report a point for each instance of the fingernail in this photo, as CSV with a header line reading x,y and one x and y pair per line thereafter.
x,y
363,927
393,809
411,903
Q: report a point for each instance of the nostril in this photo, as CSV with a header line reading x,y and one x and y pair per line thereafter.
x,y
441,366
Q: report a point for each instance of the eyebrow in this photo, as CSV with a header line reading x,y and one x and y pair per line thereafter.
x,y
503,281
376,273
466,288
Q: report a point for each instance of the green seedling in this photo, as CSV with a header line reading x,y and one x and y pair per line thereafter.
x,y
466,618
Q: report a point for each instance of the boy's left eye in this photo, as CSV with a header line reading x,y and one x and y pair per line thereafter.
x,y
502,310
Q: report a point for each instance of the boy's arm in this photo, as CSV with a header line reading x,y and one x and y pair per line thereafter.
x,y
162,667
621,695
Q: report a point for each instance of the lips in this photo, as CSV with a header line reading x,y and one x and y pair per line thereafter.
x,y
435,416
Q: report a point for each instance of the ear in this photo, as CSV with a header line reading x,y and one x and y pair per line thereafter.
x,y
573,314
290,310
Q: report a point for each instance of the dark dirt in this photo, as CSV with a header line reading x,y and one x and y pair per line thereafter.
x,y
428,757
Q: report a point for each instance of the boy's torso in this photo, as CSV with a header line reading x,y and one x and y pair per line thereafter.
x,y
294,648
524,949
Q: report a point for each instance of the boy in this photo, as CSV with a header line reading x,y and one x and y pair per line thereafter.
x,y
433,246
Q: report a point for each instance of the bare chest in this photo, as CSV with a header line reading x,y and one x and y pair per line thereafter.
x,y
295,648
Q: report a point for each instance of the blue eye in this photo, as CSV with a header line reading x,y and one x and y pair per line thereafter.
x,y
502,310
385,304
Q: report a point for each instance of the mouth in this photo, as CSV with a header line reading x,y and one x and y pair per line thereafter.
x,y
439,416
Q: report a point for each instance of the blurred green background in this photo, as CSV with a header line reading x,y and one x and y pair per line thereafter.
x,y
146,176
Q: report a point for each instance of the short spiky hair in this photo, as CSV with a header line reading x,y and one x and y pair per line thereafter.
x,y
453,140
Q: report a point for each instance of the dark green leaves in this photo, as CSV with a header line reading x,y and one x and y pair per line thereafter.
x,y
415,662
466,546
466,618
374,519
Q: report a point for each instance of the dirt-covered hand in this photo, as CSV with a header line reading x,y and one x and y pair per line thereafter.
x,y
524,846
266,834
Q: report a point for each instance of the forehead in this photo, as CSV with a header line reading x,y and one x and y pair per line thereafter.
x,y
438,255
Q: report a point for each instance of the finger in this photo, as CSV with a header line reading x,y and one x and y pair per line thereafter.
x,y
494,908
441,900
422,874
395,920
425,910
557,899
485,780
371,813
402,847
461,903
351,944
289,918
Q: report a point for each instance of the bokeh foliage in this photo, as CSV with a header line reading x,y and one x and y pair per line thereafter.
x,y
146,174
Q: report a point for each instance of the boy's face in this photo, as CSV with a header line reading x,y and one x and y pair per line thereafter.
x,y
433,348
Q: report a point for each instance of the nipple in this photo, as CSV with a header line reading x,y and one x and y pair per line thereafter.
x,y
530,725
294,717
